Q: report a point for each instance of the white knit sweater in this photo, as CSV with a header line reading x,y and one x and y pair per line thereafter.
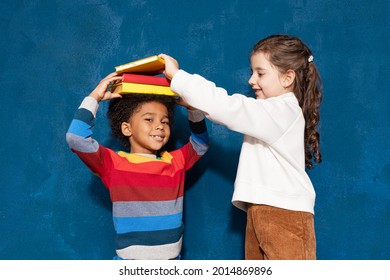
x,y
271,167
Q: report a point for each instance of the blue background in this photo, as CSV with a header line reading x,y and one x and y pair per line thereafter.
x,y
53,53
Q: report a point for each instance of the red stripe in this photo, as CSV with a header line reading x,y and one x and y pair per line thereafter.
x,y
152,167
126,193
149,181
131,178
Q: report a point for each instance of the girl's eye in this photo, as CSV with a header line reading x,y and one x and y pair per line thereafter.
x,y
148,120
165,122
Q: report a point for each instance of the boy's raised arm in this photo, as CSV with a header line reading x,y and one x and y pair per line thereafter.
x,y
101,92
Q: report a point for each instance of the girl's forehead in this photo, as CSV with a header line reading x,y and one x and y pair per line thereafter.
x,y
260,59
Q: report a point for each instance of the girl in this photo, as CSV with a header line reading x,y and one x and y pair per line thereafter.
x,y
281,138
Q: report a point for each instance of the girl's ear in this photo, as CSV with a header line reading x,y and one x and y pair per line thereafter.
x,y
126,129
288,78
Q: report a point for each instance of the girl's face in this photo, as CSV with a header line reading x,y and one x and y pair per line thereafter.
x,y
148,128
266,80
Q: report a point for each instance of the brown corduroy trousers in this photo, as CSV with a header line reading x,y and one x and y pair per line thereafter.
x,y
278,234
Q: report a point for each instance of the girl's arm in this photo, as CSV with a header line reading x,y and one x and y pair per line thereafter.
x,y
266,120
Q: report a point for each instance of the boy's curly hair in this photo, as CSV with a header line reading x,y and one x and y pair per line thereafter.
x,y
122,109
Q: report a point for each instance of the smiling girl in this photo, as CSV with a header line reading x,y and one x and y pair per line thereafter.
x,y
280,140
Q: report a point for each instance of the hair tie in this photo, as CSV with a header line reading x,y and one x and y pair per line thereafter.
x,y
310,59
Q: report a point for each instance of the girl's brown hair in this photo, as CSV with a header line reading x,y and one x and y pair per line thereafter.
x,y
287,52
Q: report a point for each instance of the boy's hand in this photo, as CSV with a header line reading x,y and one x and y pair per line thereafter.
x,y
101,92
171,66
183,103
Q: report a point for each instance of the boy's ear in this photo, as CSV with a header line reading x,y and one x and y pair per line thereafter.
x,y
126,129
288,78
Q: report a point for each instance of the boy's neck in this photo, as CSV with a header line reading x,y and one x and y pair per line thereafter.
x,y
147,155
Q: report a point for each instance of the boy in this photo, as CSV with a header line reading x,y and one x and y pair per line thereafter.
x,y
146,188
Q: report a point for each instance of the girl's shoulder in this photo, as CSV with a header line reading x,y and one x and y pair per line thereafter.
x,y
285,97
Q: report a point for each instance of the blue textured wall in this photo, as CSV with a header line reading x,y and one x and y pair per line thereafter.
x,y
53,53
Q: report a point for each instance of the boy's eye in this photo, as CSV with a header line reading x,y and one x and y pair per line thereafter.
x,y
165,122
148,120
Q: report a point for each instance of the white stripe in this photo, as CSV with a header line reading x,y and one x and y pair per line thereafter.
x,y
159,252
195,115
90,104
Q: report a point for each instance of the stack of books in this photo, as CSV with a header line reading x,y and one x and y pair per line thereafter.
x,y
141,76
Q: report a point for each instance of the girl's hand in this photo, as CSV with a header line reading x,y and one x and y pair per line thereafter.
x,y
171,66
101,92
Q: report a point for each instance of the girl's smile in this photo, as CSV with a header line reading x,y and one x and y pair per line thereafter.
x,y
266,80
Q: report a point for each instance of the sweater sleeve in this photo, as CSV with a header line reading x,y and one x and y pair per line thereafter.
x,y
199,138
79,137
80,129
266,119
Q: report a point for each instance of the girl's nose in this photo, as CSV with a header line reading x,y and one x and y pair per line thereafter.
x,y
250,81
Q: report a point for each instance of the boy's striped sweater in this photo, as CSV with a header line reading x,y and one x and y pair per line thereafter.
x,y
147,193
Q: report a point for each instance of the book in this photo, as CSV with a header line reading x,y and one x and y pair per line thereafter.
x,y
151,65
128,88
145,79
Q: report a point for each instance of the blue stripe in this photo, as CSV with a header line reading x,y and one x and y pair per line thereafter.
x,y
152,223
80,128
149,238
202,138
85,115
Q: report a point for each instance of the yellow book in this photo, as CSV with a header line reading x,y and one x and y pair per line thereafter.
x,y
128,88
151,64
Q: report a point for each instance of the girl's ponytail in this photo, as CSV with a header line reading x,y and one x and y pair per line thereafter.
x,y
310,107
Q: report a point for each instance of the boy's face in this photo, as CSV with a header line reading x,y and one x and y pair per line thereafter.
x,y
148,129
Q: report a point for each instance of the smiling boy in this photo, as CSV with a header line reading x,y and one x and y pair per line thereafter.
x,y
146,187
